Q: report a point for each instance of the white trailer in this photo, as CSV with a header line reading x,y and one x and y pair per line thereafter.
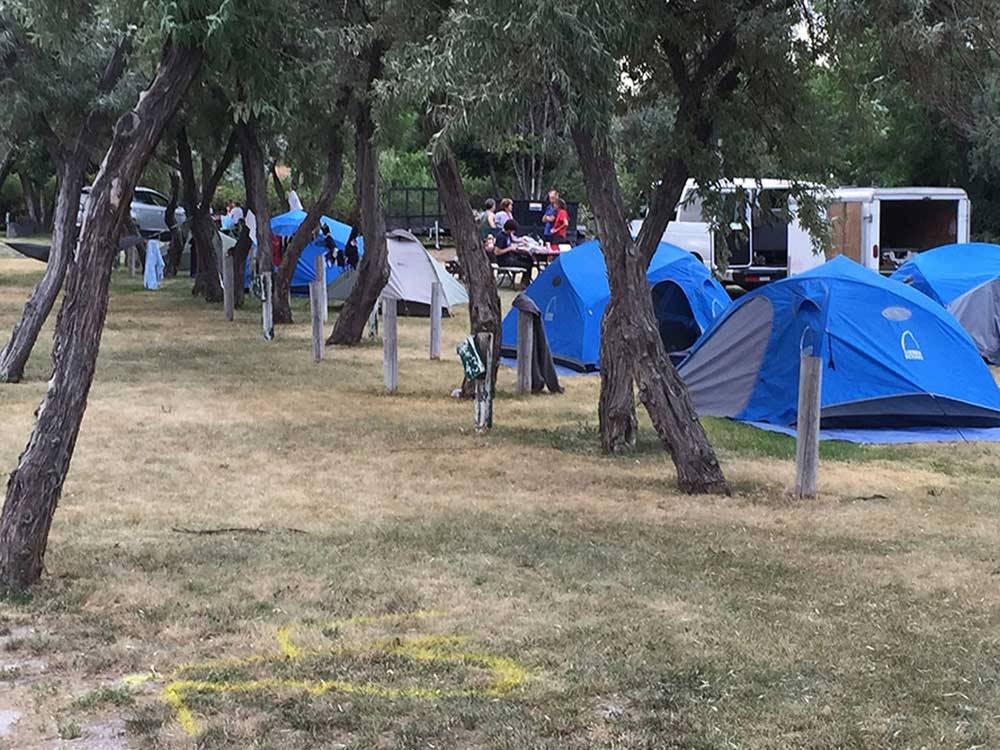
x,y
877,227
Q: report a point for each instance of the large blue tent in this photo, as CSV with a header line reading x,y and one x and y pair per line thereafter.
x,y
964,279
573,292
892,358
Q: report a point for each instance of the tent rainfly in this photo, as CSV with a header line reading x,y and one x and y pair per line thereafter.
x,y
573,292
412,271
965,280
892,358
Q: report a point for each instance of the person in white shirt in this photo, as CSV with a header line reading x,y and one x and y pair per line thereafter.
x,y
236,214
294,203
251,222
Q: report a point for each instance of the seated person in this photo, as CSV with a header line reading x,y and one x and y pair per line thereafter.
x,y
509,253
333,255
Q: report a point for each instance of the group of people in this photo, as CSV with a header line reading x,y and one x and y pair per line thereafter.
x,y
499,233
235,219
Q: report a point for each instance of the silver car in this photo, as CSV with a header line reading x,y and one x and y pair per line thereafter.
x,y
148,207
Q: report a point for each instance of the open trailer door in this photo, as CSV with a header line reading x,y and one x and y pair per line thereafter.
x,y
916,219
846,229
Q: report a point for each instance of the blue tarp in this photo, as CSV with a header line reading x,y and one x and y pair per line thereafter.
x,y
946,273
573,292
892,357
900,436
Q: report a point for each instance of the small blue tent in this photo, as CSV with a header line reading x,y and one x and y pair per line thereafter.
x,y
964,279
573,292
284,226
892,357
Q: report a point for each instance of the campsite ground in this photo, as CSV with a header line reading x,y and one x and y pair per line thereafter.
x,y
598,608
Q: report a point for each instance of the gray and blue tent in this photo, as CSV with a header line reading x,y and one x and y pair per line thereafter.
x,y
894,362
965,280
573,292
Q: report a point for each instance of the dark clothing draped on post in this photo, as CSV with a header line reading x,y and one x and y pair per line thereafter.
x,y
543,368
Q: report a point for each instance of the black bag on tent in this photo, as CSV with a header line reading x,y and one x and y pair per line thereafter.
x,y
543,368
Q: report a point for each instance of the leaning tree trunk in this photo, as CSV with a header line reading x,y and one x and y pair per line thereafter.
x,y
6,164
630,336
278,188
373,273
72,166
331,186
35,485
255,179
206,279
484,302
15,354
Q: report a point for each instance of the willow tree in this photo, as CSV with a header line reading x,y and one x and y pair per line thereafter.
x,y
181,31
719,87
382,29
62,86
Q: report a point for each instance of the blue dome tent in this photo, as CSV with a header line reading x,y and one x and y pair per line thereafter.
x,y
893,359
284,226
965,280
573,292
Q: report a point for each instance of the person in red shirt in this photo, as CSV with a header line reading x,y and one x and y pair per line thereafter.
x,y
277,251
560,225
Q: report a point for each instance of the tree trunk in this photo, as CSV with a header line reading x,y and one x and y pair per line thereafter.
x,y
6,164
255,179
278,188
239,255
71,167
206,280
630,338
373,273
175,253
32,201
35,485
197,204
15,354
484,302
332,181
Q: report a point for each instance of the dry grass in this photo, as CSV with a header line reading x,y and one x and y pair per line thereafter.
x,y
867,619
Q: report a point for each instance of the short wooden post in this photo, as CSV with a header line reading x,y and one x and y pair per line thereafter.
x,y
807,426
437,298
320,268
316,314
131,252
484,387
267,306
373,322
525,350
390,354
228,288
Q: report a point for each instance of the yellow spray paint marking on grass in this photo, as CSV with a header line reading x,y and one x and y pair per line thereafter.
x,y
506,674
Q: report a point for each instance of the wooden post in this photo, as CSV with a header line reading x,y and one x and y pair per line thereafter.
x,y
437,297
373,323
320,268
525,350
267,306
484,387
131,260
228,289
807,426
316,314
390,361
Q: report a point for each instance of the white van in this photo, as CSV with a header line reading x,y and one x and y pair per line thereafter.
x,y
878,227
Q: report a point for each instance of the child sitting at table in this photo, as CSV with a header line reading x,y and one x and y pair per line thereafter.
x,y
509,253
